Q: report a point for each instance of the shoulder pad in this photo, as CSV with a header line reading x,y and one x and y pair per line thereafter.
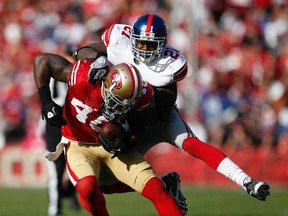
x,y
115,33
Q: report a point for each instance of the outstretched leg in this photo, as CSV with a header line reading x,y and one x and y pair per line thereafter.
x,y
218,161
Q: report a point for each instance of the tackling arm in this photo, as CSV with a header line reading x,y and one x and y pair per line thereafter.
x,y
95,52
165,98
89,52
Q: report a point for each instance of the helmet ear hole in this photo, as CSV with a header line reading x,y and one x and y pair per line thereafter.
x,y
149,28
121,89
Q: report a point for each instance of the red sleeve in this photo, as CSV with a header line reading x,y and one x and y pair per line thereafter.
x,y
145,98
79,72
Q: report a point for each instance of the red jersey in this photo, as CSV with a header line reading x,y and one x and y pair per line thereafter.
x,y
82,106
83,102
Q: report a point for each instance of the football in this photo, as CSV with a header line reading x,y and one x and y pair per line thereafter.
x,y
108,129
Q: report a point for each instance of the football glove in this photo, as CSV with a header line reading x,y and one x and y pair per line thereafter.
x,y
259,190
117,147
98,69
51,111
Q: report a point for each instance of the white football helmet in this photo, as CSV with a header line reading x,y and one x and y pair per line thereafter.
x,y
121,90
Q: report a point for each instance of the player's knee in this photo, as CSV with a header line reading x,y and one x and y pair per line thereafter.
x,y
143,177
87,187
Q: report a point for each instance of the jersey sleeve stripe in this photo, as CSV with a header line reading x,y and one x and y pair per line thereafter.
x,y
181,73
73,73
107,34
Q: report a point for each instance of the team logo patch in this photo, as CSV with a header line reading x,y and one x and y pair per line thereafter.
x,y
116,79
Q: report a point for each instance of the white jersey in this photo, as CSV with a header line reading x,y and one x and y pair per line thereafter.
x,y
170,67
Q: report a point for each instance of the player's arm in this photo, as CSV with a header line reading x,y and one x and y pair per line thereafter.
x,y
46,66
164,101
165,91
166,95
95,52
90,51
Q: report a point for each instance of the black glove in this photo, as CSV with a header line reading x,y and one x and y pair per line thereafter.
x,y
119,146
99,68
51,111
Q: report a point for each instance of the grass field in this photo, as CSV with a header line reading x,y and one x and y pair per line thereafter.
x,y
201,202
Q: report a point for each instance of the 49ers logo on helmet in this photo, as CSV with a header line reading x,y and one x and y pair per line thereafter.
x,y
116,79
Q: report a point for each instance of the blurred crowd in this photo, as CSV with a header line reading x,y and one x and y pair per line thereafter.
x,y
238,88
235,94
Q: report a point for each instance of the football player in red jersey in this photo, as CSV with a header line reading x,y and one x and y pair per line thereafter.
x,y
144,45
113,93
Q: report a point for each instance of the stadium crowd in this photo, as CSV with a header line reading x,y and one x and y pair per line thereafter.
x,y
235,94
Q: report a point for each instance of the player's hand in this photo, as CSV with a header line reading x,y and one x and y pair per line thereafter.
x,y
117,147
52,113
98,69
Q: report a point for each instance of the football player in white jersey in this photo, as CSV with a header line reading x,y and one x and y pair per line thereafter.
x,y
144,44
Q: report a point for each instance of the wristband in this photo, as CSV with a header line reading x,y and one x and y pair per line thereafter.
x,y
45,95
